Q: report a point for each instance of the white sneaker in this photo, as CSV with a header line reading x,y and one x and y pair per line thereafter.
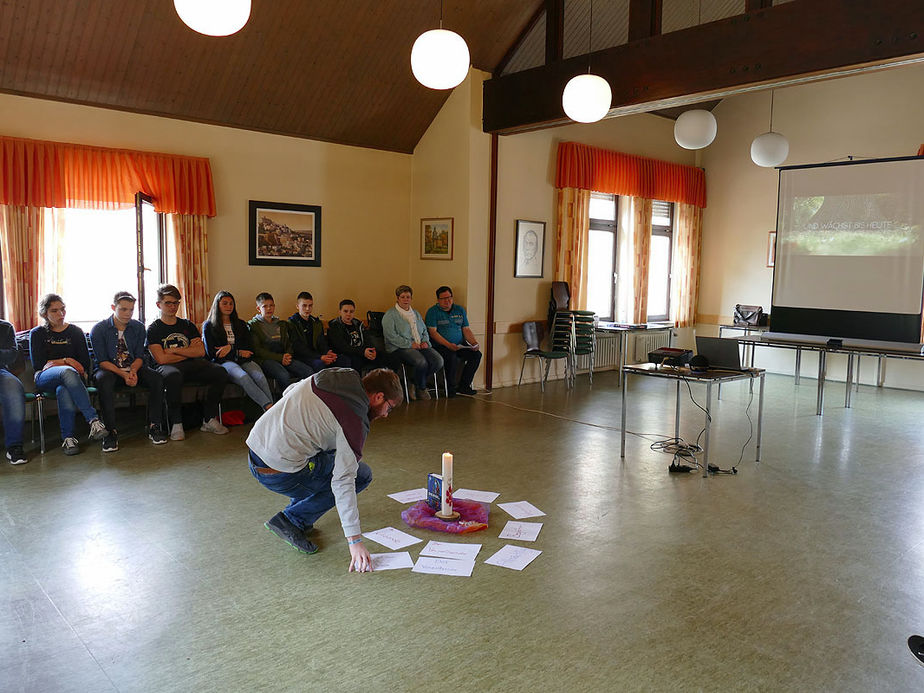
x,y
177,432
213,425
97,430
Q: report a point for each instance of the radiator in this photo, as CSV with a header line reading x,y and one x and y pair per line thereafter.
x,y
606,355
649,341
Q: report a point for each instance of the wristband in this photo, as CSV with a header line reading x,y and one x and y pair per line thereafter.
x,y
350,542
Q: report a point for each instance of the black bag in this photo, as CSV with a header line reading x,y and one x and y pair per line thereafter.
x,y
749,316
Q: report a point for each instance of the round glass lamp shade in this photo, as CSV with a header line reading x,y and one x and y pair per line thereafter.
x,y
769,150
214,17
440,59
695,129
587,98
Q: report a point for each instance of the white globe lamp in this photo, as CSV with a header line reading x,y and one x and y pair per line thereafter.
x,y
769,150
587,98
440,59
214,17
695,129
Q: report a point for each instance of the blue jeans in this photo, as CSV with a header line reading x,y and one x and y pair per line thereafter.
x,y
343,361
13,404
284,375
425,363
251,379
72,395
309,489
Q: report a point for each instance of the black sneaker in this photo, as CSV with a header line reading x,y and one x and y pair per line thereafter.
x,y
466,390
156,434
15,455
111,441
279,525
71,446
916,645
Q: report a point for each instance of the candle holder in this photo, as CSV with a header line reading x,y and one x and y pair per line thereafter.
x,y
448,517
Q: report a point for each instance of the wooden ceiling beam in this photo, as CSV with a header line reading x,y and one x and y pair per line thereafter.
x,y
786,44
644,19
554,30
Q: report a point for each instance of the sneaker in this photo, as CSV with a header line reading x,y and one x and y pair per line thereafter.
x,y
97,430
411,392
467,390
916,645
71,446
15,455
280,525
177,432
157,436
422,393
111,442
213,425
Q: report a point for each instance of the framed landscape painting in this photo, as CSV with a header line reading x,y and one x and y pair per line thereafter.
x,y
286,235
436,238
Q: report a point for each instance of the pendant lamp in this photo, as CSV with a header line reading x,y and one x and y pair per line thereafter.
x,y
770,149
213,17
587,97
440,58
695,129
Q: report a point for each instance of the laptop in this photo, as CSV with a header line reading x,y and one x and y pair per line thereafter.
x,y
722,354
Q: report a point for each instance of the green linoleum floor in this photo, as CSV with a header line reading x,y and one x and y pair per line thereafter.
x,y
150,570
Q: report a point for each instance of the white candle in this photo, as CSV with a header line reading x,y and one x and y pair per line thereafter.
x,y
446,508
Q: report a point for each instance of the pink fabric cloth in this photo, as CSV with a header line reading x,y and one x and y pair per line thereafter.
x,y
473,517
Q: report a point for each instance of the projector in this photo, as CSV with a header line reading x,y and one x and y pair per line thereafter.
x,y
670,356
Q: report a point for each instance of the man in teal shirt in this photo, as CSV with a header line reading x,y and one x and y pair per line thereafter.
x,y
453,339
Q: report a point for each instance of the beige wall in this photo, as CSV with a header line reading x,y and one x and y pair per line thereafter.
x,y
866,116
364,195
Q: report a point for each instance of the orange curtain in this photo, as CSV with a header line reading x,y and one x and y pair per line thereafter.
x,y
591,168
921,150
686,252
188,253
573,229
22,234
37,173
641,240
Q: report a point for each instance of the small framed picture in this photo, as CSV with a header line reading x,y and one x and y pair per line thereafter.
x,y
436,238
287,235
530,249
771,249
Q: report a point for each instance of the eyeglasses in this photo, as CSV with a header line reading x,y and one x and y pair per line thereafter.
x,y
390,407
170,303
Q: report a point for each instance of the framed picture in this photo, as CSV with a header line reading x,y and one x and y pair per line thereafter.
x,y
771,249
286,235
436,239
530,248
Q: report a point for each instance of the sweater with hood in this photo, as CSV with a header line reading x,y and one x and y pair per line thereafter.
x,y
328,411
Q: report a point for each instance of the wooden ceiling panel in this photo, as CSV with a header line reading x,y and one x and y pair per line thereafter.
x,y
326,69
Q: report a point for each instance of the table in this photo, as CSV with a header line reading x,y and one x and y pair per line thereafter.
x,y
710,378
623,332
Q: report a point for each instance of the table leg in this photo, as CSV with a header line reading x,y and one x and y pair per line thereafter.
x,y
822,354
798,363
849,381
760,415
622,448
881,371
677,412
621,359
856,377
706,436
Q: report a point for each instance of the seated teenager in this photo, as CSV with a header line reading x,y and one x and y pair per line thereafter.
x,y
312,347
454,340
274,343
350,341
406,337
178,351
12,396
229,344
118,345
61,362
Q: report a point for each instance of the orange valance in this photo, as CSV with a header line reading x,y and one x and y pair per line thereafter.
x,y
36,173
591,168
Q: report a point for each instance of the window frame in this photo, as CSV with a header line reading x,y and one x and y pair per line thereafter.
x,y
611,226
666,231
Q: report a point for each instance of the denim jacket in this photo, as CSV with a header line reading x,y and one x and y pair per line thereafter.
x,y
105,337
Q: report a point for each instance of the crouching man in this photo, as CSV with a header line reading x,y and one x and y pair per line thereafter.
x,y
308,447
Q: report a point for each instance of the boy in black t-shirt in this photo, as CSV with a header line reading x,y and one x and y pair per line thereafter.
x,y
177,349
349,339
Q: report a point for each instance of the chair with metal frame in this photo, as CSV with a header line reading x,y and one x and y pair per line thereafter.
x,y
533,333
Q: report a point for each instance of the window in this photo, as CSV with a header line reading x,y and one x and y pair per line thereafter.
x,y
659,267
601,256
90,254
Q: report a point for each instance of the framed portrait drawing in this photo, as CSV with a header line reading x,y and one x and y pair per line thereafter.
x,y
436,238
530,249
771,249
285,235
